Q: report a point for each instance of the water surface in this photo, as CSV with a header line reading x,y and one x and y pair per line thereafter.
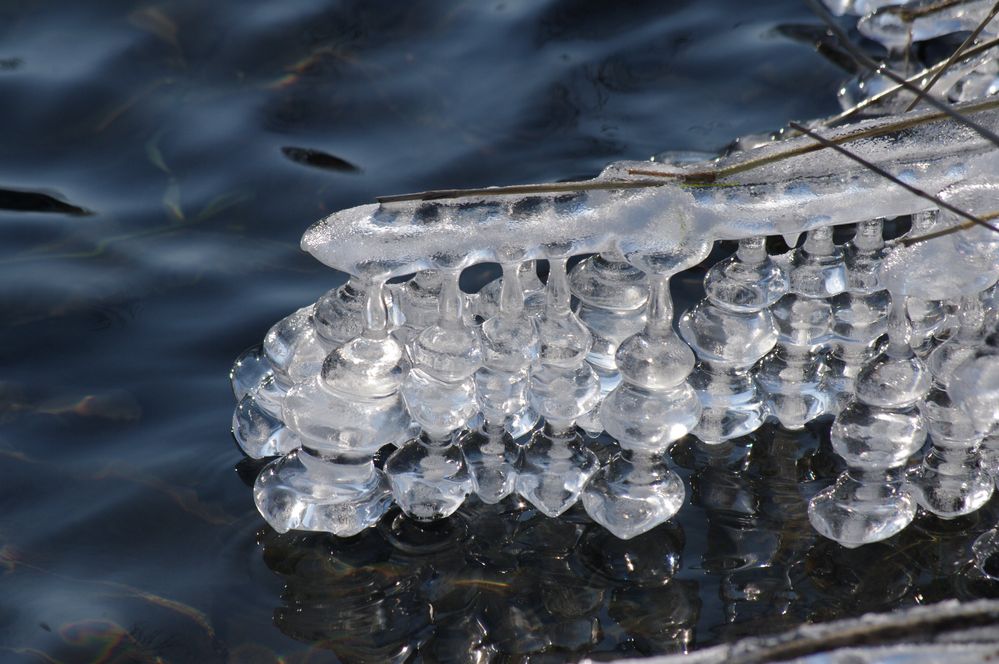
x,y
159,162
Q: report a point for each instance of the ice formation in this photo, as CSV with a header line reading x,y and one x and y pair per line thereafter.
x,y
490,393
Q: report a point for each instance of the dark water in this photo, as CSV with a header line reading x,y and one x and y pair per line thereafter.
x,y
158,163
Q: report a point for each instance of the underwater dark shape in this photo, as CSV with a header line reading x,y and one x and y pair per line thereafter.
x,y
35,201
319,159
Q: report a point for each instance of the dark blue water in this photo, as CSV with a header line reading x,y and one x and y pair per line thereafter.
x,y
158,164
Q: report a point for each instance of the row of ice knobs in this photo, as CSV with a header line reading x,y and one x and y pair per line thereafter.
x,y
415,374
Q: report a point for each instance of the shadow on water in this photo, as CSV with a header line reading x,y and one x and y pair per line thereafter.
x,y
160,160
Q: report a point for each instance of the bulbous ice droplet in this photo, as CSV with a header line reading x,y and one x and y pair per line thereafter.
x,y
417,303
793,373
509,347
429,478
293,348
876,434
260,433
630,497
342,416
875,438
339,314
439,407
729,331
650,420
950,482
655,363
258,423
728,337
492,459
860,314
565,340
646,413
611,295
249,369
974,385
893,382
554,468
562,395
428,474
303,491
748,281
856,511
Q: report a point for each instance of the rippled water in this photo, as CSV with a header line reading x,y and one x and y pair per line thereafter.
x,y
159,162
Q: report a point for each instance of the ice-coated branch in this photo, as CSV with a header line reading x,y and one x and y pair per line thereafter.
x,y
783,188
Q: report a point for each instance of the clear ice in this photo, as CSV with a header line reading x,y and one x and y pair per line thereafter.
x,y
490,393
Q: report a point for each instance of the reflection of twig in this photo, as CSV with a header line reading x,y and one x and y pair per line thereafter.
x,y
908,187
192,613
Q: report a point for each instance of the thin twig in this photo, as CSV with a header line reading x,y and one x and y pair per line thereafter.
x,y
954,56
888,176
881,96
520,189
862,59
692,178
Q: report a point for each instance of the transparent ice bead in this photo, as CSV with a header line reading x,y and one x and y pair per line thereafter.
x,y
802,321
650,420
564,340
927,317
439,407
794,384
719,335
859,321
876,434
862,507
293,349
247,372
448,353
555,466
501,394
875,439
612,295
257,423
732,404
509,344
487,304
416,302
492,458
655,363
974,385
335,422
429,477
746,282
354,405
817,269
303,491
339,314
893,381
258,431
950,482
633,494
562,395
